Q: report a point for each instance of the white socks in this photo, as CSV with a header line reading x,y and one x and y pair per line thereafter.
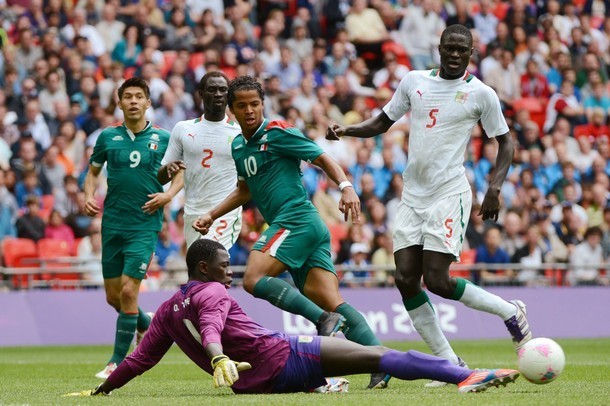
x,y
479,299
427,325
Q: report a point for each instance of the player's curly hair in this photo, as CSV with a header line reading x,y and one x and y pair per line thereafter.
x,y
135,82
457,29
204,250
204,80
242,83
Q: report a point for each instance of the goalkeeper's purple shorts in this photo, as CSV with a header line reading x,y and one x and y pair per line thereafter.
x,y
303,370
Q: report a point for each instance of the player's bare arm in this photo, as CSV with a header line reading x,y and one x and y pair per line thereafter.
x,y
369,128
169,171
240,196
491,203
158,200
349,202
91,181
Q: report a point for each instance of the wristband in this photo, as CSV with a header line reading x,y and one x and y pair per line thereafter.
x,y
345,184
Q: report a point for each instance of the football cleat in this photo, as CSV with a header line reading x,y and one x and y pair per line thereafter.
x,y
140,334
481,379
518,327
333,385
438,384
105,373
88,392
331,324
379,381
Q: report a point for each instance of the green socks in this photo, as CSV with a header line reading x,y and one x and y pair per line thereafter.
x,y
282,295
356,328
143,320
125,331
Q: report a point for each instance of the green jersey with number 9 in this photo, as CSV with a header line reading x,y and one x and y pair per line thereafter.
x,y
270,163
132,161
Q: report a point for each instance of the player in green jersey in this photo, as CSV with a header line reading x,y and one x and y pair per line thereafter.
x,y
132,152
267,156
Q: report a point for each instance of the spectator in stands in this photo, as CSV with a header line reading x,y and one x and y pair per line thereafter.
x,y
390,75
357,273
343,97
170,112
36,123
586,259
511,239
89,250
165,246
300,42
563,104
178,34
505,80
420,32
366,30
57,229
31,225
476,228
531,256
8,210
491,252
27,52
27,186
128,49
485,22
79,27
207,34
109,28
52,92
53,170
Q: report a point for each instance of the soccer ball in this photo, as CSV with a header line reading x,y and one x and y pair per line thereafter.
x,y
541,360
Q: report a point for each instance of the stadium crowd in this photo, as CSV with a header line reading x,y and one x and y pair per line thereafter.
x,y
320,62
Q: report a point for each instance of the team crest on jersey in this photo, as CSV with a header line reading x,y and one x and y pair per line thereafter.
x,y
461,97
153,145
154,137
117,138
264,138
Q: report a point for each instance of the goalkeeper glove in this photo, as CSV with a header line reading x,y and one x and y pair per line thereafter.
x,y
89,392
226,372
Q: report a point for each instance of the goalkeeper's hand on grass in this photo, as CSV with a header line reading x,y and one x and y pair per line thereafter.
x,y
226,372
89,392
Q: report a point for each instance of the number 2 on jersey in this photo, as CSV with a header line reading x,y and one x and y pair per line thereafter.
x,y
432,115
209,154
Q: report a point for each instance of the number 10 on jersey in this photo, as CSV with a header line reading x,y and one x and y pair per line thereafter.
x,y
250,166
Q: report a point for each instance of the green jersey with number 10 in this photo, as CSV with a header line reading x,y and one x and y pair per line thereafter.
x,y
270,164
132,163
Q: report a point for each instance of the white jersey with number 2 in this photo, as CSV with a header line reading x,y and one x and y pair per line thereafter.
x,y
205,148
443,114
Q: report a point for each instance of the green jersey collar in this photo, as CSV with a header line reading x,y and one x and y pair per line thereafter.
x,y
259,133
131,134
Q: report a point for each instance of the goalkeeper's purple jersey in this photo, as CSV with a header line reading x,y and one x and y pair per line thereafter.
x,y
201,313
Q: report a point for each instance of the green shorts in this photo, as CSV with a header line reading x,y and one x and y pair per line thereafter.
x,y
127,252
300,246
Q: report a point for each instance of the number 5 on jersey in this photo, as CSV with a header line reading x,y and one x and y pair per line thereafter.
x,y
432,116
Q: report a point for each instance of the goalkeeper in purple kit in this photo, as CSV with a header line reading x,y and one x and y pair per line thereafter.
x,y
215,333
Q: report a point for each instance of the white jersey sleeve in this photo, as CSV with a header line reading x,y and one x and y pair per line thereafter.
x,y
400,103
174,148
492,118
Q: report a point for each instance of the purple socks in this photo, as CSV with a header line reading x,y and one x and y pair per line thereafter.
x,y
417,365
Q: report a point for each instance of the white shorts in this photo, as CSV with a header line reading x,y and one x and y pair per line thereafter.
x,y
225,229
440,227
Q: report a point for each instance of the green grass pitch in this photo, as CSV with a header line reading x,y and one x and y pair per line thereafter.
x,y
40,375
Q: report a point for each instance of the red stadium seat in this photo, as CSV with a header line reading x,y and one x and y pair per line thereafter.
x,y
50,249
169,57
15,252
466,258
197,60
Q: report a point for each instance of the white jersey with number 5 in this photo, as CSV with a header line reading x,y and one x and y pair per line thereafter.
x,y
205,148
443,113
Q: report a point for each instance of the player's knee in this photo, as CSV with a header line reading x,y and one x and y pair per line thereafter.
x,y
129,295
406,281
250,281
439,286
114,301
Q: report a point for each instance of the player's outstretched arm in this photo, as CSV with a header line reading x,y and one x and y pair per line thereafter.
x,y
491,203
349,202
91,181
369,128
169,171
240,196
